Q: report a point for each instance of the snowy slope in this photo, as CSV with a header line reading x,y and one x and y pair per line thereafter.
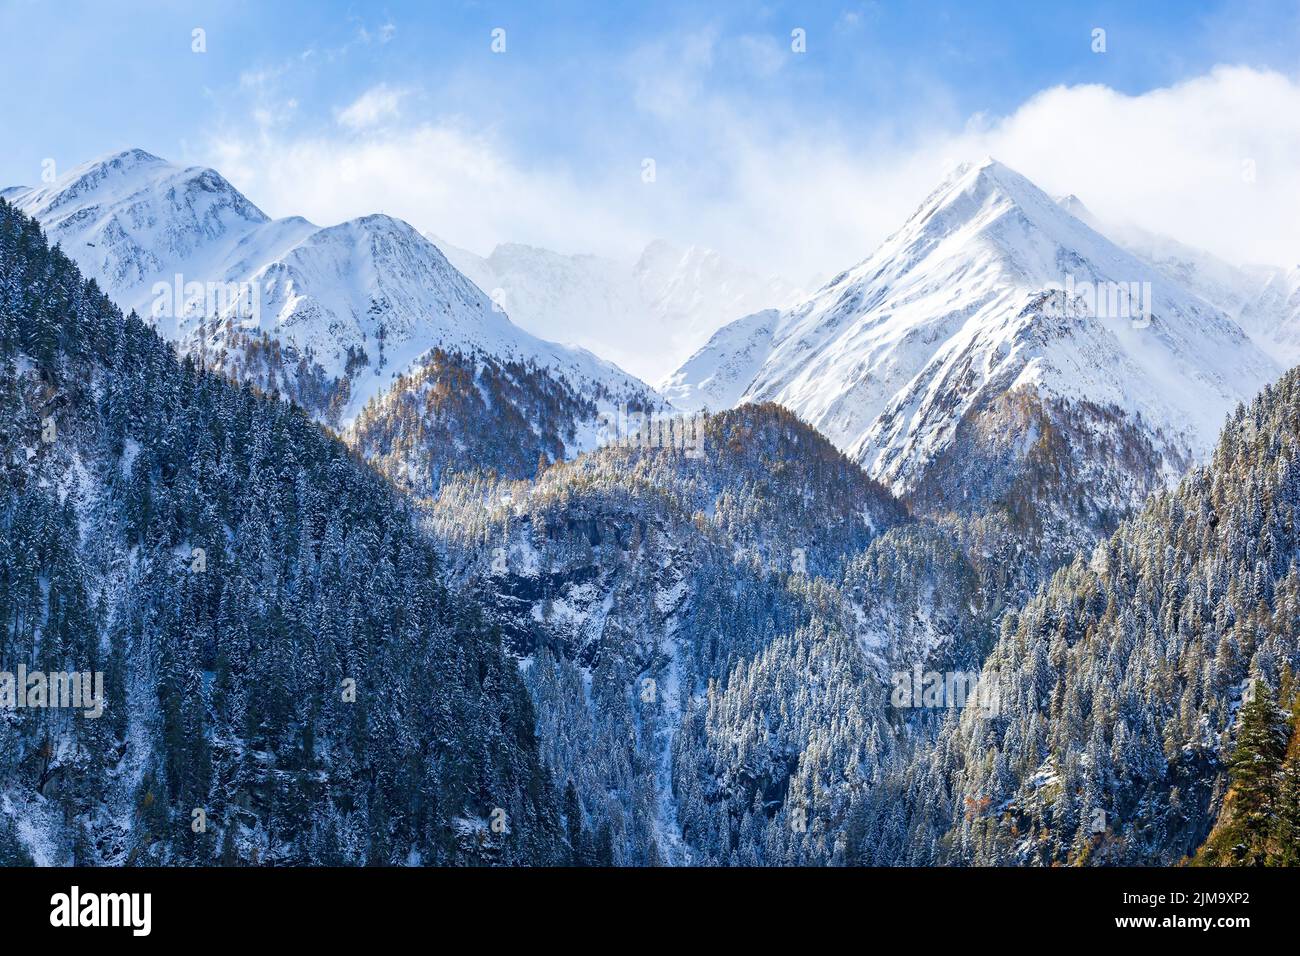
x,y
1276,313
965,303
366,298
717,375
645,315
1263,300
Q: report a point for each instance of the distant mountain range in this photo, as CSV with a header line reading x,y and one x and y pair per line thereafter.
x,y
899,361
644,315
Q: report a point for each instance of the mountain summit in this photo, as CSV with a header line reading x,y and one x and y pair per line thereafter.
x,y
330,316
991,293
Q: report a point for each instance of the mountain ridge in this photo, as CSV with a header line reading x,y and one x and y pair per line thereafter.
x,y
353,301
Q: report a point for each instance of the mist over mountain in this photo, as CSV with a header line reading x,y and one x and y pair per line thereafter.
x,y
644,315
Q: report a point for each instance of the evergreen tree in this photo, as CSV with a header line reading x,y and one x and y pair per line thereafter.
x,y
573,823
1256,776
1286,844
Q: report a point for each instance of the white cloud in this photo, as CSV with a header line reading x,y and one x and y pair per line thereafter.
x,y
439,177
1177,160
374,106
1213,161
776,190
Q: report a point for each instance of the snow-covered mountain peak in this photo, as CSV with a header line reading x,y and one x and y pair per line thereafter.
x,y
362,300
717,375
661,257
122,166
972,191
967,301
131,219
989,207
1076,208
511,253
968,179
659,250
137,178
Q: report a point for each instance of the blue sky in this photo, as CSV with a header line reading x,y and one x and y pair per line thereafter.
x,y
546,142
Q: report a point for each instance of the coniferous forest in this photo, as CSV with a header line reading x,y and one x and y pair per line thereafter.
x,y
279,648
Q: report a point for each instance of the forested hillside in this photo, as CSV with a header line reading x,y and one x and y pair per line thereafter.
x,y
286,679
648,592
1123,680
459,412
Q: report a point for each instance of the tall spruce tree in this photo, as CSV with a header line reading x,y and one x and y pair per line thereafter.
x,y
1256,775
